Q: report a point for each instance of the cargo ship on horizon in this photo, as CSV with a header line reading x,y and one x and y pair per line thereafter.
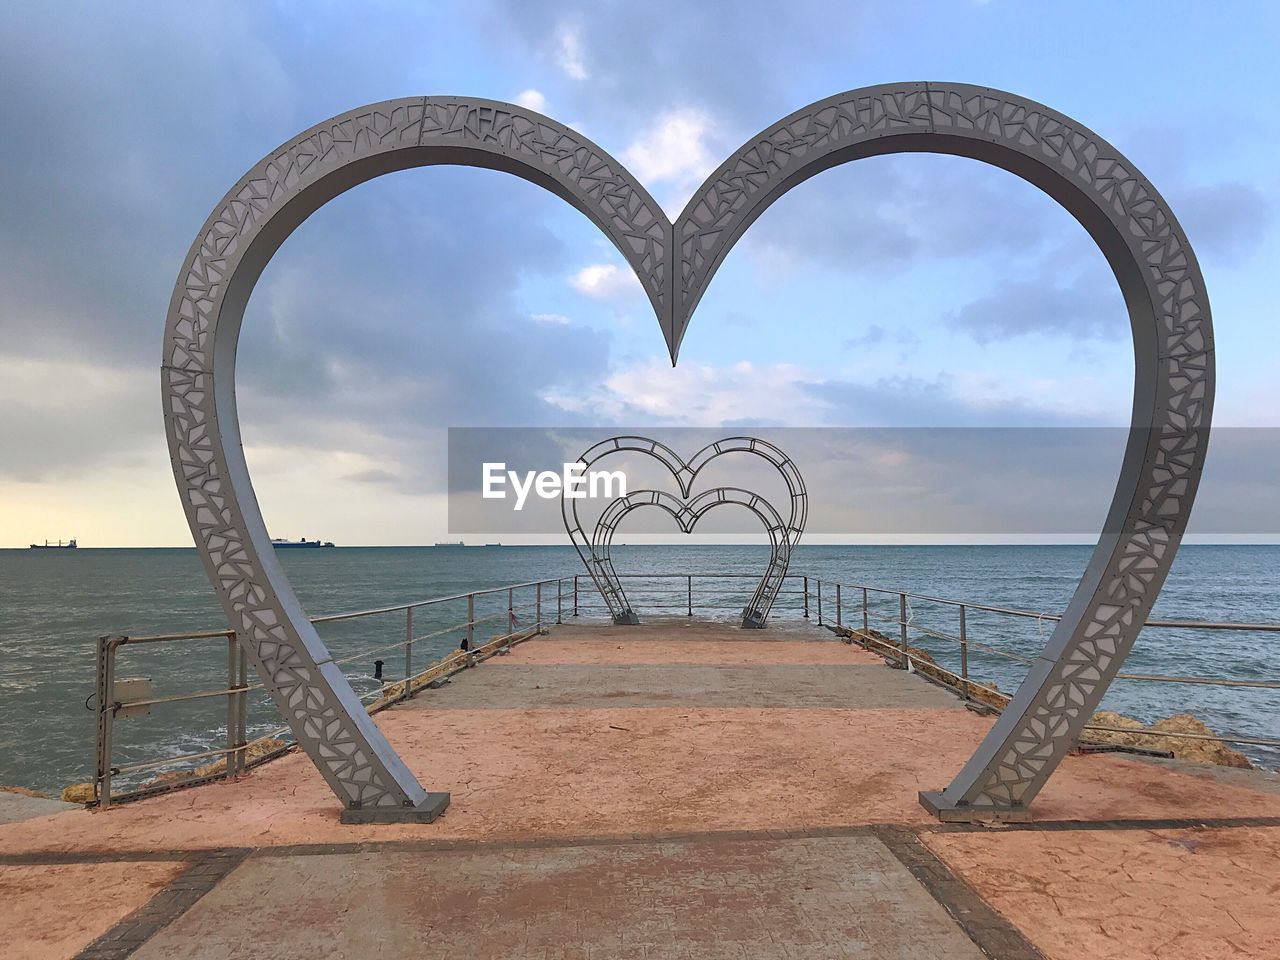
x,y
282,544
69,545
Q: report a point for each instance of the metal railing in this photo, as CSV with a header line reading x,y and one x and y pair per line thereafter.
x,y
718,595
241,753
859,611
903,622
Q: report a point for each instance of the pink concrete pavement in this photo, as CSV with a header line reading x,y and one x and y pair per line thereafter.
x,y
1198,894
521,774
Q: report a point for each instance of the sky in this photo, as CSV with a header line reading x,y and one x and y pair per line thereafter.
x,y
913,291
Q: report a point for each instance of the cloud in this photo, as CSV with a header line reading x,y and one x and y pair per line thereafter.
x,y
532,99
605,281
745,393
951,400
374,475
1224,221
703,395
90,249
568,53
405,305
1083,309
708,57
64,417
876,338
886,213
673,150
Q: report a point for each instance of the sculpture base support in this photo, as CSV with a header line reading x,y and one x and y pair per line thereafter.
x,y
627,618
752,621
948,812
425,812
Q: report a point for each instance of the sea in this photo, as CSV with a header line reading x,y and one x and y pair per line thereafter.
x,y
55,604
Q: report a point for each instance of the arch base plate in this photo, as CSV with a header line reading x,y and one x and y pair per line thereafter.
x,y
426,812
948,811
627,618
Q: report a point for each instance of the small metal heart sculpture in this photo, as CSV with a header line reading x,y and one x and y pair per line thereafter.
x,y
784,535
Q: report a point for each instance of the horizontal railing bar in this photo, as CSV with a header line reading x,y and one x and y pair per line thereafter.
x,y
1205,681
163,637
179,697
1143,732
1032,615
149,764
1210,625
792,577
331,618
1145,677
334,617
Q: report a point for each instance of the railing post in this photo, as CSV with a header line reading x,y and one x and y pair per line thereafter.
x,y
408,652
806,598
575,594
230,755
902,621
511,611
964,653
866,613
538,605
819,602
689,596
560,600
106,715
839,618
471,621
242,712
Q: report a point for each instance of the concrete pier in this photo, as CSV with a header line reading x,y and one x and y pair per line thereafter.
x,y
677,789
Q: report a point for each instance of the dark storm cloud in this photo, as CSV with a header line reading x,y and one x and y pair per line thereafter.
x,y
391,312
120,139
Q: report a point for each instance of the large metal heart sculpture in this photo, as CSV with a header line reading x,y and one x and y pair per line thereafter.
x,y
1132,225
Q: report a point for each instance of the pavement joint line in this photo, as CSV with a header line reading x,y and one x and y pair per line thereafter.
x,y
992,933
1058,826
171,902
60,858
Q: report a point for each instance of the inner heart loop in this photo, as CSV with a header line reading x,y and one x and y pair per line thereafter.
x,y
687,513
